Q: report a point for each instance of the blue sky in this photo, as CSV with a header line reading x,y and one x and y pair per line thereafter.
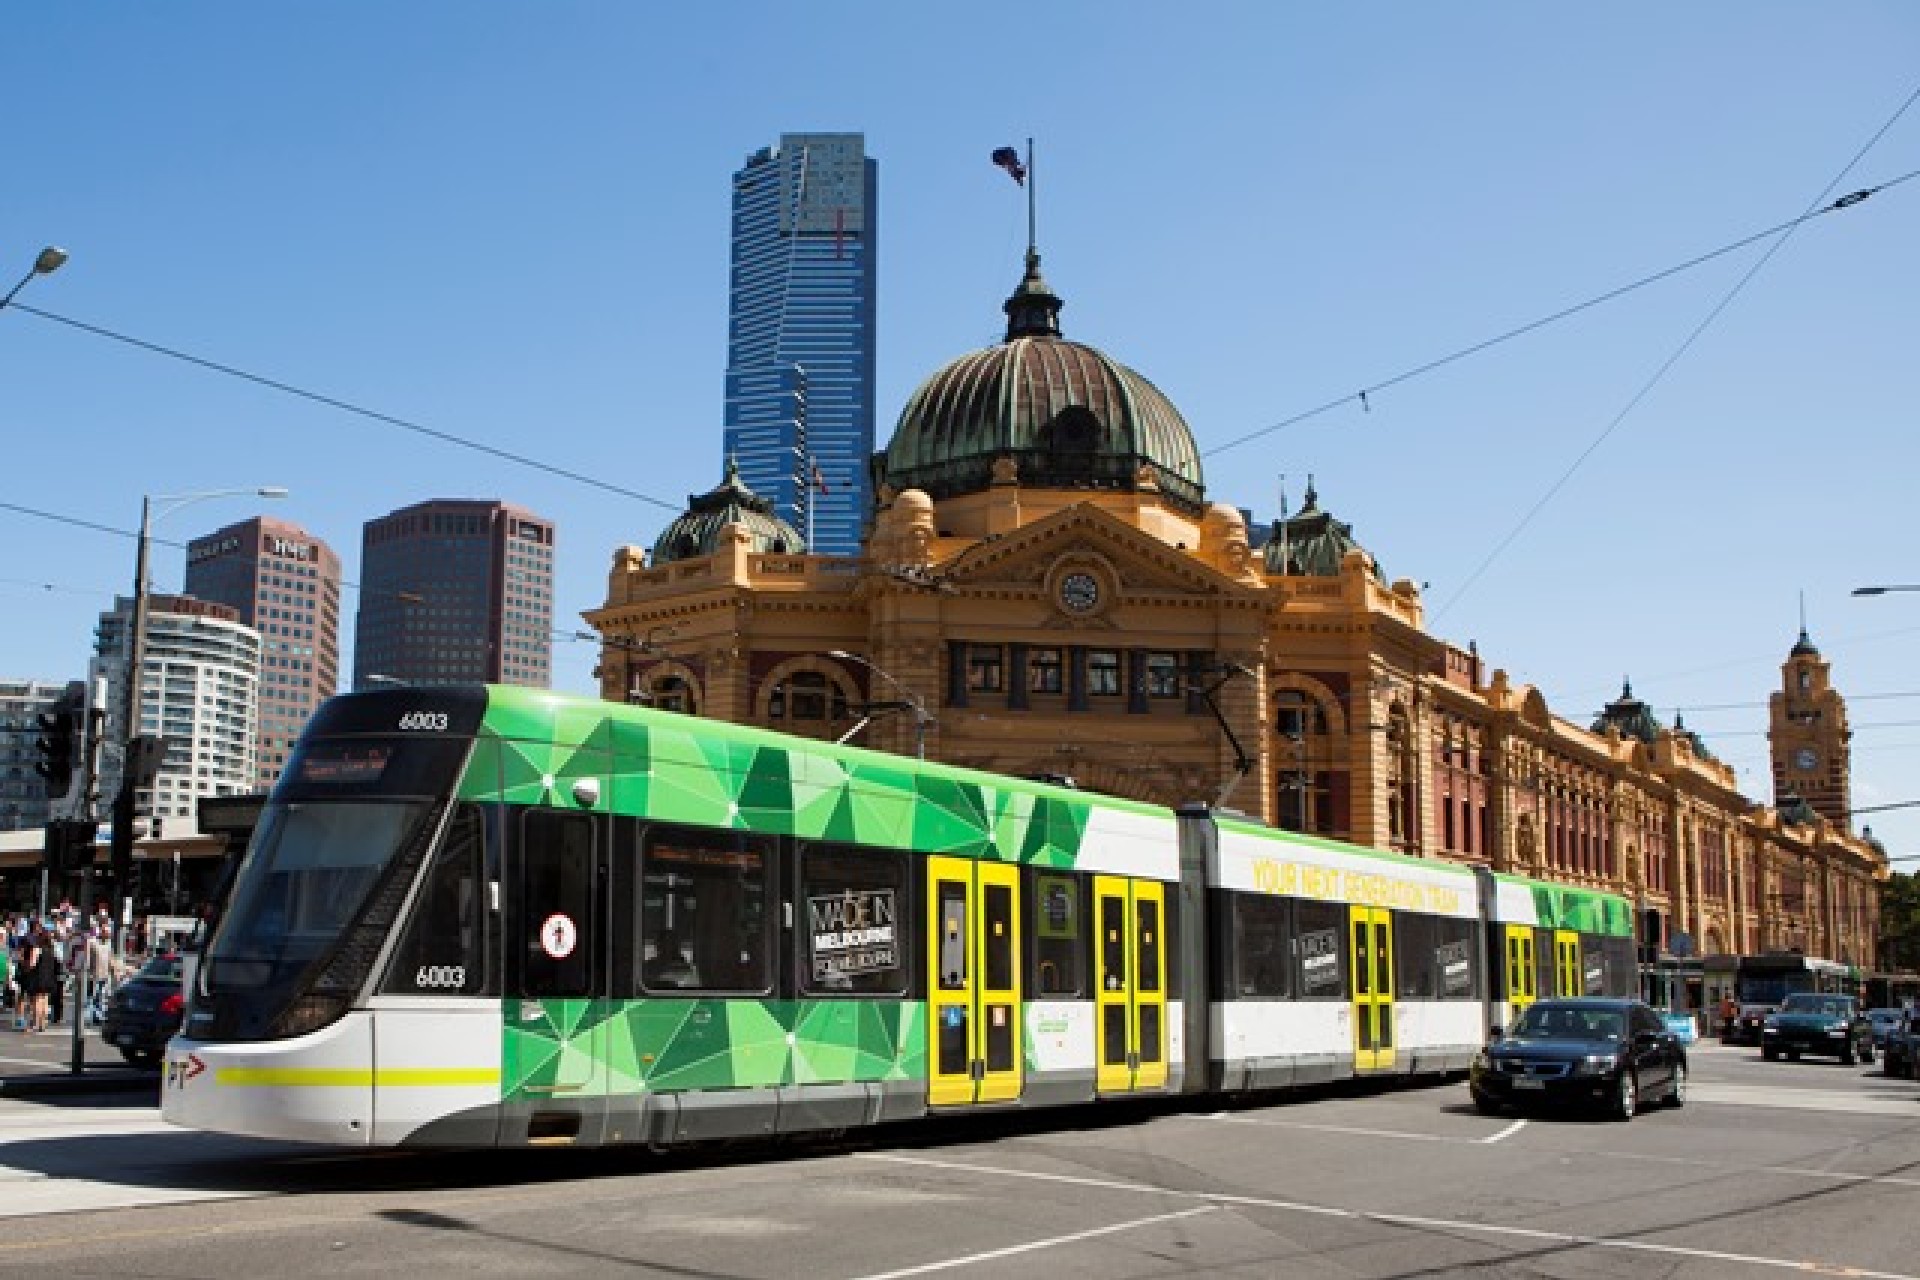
x,y
509,222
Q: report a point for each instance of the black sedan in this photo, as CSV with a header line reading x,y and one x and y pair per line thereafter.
x,y
1609,1055
145,1012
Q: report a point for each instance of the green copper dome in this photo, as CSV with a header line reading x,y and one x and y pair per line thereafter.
x,y
1311,543
1634,718
1066,415
697,532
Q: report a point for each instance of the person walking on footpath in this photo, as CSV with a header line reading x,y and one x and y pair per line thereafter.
x,y
39,975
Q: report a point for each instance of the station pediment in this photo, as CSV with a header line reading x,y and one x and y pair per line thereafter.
x,y
1035,555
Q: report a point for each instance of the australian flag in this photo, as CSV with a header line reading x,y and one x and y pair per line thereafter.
x,y
1009,159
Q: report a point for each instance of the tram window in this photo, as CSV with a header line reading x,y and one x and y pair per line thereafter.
x,y
1057,906
444,949
855,902
1259,945
1149,948
556,901
1170,947
703,911
1319,948
1593,966
1623,967
1413,955
1455,946
1546,966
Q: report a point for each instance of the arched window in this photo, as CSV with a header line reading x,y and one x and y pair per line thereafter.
x,y
807,696
672,693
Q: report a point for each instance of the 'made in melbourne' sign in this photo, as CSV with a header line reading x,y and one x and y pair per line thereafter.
x,y
853,933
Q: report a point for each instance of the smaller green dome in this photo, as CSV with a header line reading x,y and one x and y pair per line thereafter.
x,y
697,532
1632,717
1311,543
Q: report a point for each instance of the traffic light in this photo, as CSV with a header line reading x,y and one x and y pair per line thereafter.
x,y
61,735
70,845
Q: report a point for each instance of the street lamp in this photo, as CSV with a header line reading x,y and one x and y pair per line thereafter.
x,y
921,717
50,260
1883,590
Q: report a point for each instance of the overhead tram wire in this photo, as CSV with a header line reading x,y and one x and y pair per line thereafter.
x,y
1373,389
447,437
1666,366
347,406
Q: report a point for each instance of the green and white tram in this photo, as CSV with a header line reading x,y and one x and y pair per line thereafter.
x,y
496,916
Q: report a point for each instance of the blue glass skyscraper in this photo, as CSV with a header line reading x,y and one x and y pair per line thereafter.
x,y
800,341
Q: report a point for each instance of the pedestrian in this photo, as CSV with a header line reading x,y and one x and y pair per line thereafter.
x,y
99,975
41,968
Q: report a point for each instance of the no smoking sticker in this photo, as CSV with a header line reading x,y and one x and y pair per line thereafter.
x,y
558,936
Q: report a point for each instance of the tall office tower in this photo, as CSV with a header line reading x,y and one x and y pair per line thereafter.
x,y
199,689
800,338
455,591
285,583
23,793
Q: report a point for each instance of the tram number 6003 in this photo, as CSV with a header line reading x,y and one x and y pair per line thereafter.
x,y
433,721
440,975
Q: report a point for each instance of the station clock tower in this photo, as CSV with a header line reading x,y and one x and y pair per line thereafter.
x,y
1809,737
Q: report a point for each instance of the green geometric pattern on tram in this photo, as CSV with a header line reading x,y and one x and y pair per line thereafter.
x,y
711,1044
766,793
701,771
1055,832
1581,909
552,1050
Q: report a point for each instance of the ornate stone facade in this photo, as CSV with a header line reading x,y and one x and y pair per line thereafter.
x,y
1054,613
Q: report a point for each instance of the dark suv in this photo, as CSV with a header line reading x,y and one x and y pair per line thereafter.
x,y
146,1011
1827,1025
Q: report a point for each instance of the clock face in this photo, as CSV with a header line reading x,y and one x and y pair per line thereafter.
x,y
1079,591
1805,758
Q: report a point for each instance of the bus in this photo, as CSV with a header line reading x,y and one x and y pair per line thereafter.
x,y
495,916
1760,983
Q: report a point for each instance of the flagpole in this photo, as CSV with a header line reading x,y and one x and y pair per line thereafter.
x,y
1033,240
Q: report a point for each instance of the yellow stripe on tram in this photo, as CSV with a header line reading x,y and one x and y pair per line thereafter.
x,y
352,1077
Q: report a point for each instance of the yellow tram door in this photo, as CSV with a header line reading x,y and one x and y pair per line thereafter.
x,y
1373,1030
1567,975
1520,971
974,1053
1131,1007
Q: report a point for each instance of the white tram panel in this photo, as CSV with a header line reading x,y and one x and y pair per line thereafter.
x,y
1123,842
311,1088
434,1057
1247,861
1513,902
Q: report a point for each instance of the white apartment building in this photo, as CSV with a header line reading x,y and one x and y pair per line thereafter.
x,y
199,688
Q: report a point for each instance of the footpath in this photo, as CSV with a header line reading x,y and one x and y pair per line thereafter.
x,y
40,1065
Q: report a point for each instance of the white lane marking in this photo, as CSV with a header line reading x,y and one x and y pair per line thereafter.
x,y
1782,1170
1351,1130
994,1255
1754,1095
1507,1132
1397,1219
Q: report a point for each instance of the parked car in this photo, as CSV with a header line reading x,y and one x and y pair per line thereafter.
x,y
146,1011
1828,1025
1608,1055
1747,1023
1883,1023
1903,1046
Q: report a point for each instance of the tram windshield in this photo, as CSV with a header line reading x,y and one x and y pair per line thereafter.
x,y
306,876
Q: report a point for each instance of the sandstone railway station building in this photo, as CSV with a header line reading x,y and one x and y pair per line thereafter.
x,y
1046,591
